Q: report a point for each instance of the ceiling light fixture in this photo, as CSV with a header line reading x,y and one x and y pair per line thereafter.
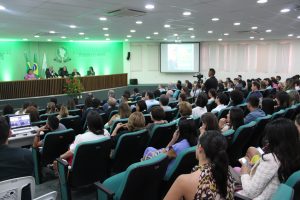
x,y
73,26
226,34
215,19
186,13
52,32
165,39
138,22
2,7
192,36
129,36
268,31
210,32
237,23
49,40
25,39
148,37
149,6
262,1
126,40
81,33
155,33
105,29
261,38
102,18
106,34
63,37
254,27
175,34
132,31
36,36
290,35
285,10
251,37
298,36
167,25
298,17
220,39
191,29
86,38
107,39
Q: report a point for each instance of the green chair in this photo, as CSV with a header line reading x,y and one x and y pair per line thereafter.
x,y
45,116
284,192
198,122
240,142
290,113
90,164
183,164
39,123
277,115
112,113
115,122
224,112
140,181
294,182
229,135
129,149
73,122
171,114
148,119
55,144
173,104
161,135
258,132
75,112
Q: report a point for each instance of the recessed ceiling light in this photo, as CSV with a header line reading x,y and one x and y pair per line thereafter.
x,y
226,34
191,29
167,25
2,7
220,39
210,32
126,40
148,37
149,6
52,32
298,36
262,1
105,29
138,22
237,23
63,37
175,34
86,38
132,31
81,33
298,17
285,10
165,39
251,37
215,19
36,36
269,31
106,34
102,18
73,26
107,39
155,33
129,36
49,40
25,39
71,40
261,38
290,35
186,13
254,27
192,36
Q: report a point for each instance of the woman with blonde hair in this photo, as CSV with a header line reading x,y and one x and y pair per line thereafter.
x,y
51,108
124,111
64,112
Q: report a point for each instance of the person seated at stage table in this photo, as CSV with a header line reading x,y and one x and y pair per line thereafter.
x,y
30,75
91,71
75,73
50,73
63,72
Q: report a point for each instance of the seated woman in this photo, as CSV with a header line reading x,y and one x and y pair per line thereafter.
x,y
63,112
283,101
51,108
235,119
33,114
209,122
184,137
30,75
157,116
124,111
267,105
91,71
141,106
200,108
211,179
95,131
185,109
280,160
185,90
136,122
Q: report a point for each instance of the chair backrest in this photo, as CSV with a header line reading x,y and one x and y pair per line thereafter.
x,y
173,104
129,149
73,122
198,122
75,112
152,106
80,106
39,123
229,135
190,100
171,114
115,122
183,164
240,142
90,162
147,118
112,113
48,196
284,192
12,188
243,106
258,132
176,94
278,114
290,113
45,116
161,135
55,144
42,111
143,179
224,112
293,179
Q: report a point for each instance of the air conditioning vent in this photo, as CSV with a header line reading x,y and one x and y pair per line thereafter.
x,y
126,12
248,32
46,34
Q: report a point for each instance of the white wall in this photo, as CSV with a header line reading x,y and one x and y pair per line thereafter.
x,y
249,58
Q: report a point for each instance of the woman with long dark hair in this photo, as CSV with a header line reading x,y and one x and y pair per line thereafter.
x,y
280,160
235,119
211,179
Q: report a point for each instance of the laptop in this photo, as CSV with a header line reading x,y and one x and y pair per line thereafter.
x,y
20,124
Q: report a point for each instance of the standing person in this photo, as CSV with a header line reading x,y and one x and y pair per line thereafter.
x,y
75,73
30,75
212,82
91,71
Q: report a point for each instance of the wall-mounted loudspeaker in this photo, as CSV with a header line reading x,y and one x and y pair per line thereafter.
x,y
128,56
133,81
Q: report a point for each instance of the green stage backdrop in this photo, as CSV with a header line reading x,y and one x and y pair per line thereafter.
x,y
105,57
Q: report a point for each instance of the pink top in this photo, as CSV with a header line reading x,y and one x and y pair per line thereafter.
x,y
30,77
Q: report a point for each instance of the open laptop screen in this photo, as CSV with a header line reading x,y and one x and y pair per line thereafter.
x,y
18,121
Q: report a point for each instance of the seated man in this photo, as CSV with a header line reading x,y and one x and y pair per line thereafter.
x,y
255,112
14,162
164,101
51,125
150,101
255,90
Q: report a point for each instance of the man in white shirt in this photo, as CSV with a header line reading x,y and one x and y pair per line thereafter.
x,y
164,101
200,108
150,101
221,101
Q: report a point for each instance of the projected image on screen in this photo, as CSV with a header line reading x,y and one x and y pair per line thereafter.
x,y
180,57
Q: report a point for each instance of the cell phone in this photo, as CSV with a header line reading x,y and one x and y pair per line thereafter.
x,y
243,161
261,152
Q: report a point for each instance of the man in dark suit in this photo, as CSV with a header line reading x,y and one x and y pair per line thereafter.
x,y
212,82
50,73
14,162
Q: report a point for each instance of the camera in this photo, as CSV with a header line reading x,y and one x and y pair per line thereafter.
x,y
199,76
